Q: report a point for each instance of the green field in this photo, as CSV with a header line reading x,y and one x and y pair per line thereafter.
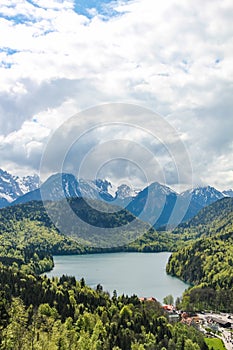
x,y
215,344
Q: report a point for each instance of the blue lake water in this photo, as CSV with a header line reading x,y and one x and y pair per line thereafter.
x,y
142,274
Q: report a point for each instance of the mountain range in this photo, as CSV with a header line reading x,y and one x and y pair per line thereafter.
x,y
62,185
156,204
12,187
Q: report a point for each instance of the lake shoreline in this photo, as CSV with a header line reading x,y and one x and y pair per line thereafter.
x,y
129,273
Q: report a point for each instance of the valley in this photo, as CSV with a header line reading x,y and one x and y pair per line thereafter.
x,y
126,273
37,234
116,177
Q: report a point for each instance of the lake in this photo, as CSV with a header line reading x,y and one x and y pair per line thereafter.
x,y
142,274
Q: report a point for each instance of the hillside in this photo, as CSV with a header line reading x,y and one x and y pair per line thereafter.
x,y
30,245
213,219
26,229
207,262
62,313
93,223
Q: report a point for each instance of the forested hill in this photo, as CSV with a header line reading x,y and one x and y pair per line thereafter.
x,y
28,237
91,223
92,211
215,218
207,262
62,313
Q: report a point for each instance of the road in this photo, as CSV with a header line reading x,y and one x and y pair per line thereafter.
x,y
227,335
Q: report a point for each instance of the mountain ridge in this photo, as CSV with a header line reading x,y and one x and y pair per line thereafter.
x,y
157,204
12,187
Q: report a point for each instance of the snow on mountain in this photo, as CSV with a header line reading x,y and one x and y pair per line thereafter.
x,y
88,189
125,191
203,195
161,189
154,204
12,187
160,205
28,183
96,189
103,189
228,193
59,186
103,186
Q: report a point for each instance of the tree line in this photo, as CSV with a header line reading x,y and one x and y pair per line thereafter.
x,y
62,313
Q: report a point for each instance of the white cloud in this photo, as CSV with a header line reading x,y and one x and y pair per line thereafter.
x,y
172,56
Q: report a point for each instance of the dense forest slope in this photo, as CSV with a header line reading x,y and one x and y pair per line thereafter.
x,y
91,223
207,262
30,245
62,313
29,238
213,219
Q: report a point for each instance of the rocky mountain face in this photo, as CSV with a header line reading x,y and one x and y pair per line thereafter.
x,y
203,195
12,187
228,193
59,186
156,204
164,208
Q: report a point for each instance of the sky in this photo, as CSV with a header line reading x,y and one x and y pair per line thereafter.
x,y
172,58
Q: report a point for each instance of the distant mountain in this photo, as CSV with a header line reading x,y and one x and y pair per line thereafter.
x,y
156,209
203,196
62,185
103,186
163,208
228,193
125,191
154,204
12,187
59,186
157,204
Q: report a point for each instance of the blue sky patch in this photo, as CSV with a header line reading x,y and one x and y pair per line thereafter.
x,y
19,19
6,65
8,51
83,7
33,3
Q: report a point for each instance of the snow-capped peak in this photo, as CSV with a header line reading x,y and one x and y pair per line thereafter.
x,y
228,193
163,189
203,195
125,191
12,187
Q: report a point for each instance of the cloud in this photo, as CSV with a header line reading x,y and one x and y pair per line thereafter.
x,y
173,57
122,141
